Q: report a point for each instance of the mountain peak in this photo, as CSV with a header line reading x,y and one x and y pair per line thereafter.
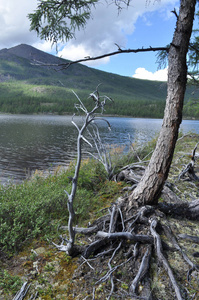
x,y
31,53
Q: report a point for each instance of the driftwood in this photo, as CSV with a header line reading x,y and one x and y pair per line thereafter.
x,y
189,168
131,173
189,210
23,291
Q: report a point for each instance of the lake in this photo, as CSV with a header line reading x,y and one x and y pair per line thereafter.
x,y
30,142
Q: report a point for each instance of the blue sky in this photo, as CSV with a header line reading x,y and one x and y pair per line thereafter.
x,y
154,30
141,25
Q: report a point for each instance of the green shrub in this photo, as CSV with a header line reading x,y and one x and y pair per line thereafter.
x,y
38,206
9,283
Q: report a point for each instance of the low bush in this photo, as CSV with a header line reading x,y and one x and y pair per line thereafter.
x,y
37,206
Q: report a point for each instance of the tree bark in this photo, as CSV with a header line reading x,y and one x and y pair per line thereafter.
x,y
152,182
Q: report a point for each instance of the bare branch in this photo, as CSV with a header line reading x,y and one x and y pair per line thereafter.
x,y
86,261
120,51
175,13
86,141
23,291
142,238
110,268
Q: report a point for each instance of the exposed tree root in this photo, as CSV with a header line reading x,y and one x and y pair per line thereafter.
x,y
136,236
130,241
138,233
194,239
189,210
143,269
162,259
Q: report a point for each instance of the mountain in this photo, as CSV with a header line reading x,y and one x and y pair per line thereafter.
x,y
32,82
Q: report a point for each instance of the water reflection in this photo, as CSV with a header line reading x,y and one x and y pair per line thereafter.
x,y
28,142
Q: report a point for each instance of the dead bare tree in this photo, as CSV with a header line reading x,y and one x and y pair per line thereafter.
x,y
90,117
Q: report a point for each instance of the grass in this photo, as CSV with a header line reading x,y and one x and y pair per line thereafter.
x,y
37,206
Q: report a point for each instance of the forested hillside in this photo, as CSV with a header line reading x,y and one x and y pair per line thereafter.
x,y
27,85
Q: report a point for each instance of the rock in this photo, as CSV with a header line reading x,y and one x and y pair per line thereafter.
x,y
40,250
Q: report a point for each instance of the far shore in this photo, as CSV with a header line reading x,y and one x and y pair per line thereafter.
x,y
98,114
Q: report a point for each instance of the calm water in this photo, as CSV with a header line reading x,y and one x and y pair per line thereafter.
x,y
28,142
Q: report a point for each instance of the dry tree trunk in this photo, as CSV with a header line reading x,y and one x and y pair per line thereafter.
x,y
151,184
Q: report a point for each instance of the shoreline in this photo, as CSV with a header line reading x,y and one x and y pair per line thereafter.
x,y
104,115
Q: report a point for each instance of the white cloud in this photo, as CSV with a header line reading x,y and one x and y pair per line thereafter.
x,y
142,73
14,24
44,46
73,52
103,30
107,28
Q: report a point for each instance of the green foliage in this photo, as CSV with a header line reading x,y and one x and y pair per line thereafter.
x,y
17,97
191,109
57,20
49,267
162,58
28,209
9,283
38,206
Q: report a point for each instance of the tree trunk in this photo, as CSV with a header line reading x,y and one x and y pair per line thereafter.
x,y
152,182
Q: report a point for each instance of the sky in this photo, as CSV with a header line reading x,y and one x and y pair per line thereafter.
x,y
144,24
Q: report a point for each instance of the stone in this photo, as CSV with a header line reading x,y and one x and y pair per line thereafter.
x,y
40,250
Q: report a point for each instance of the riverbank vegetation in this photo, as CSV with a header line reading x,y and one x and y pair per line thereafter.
x,y
33,214
37,205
